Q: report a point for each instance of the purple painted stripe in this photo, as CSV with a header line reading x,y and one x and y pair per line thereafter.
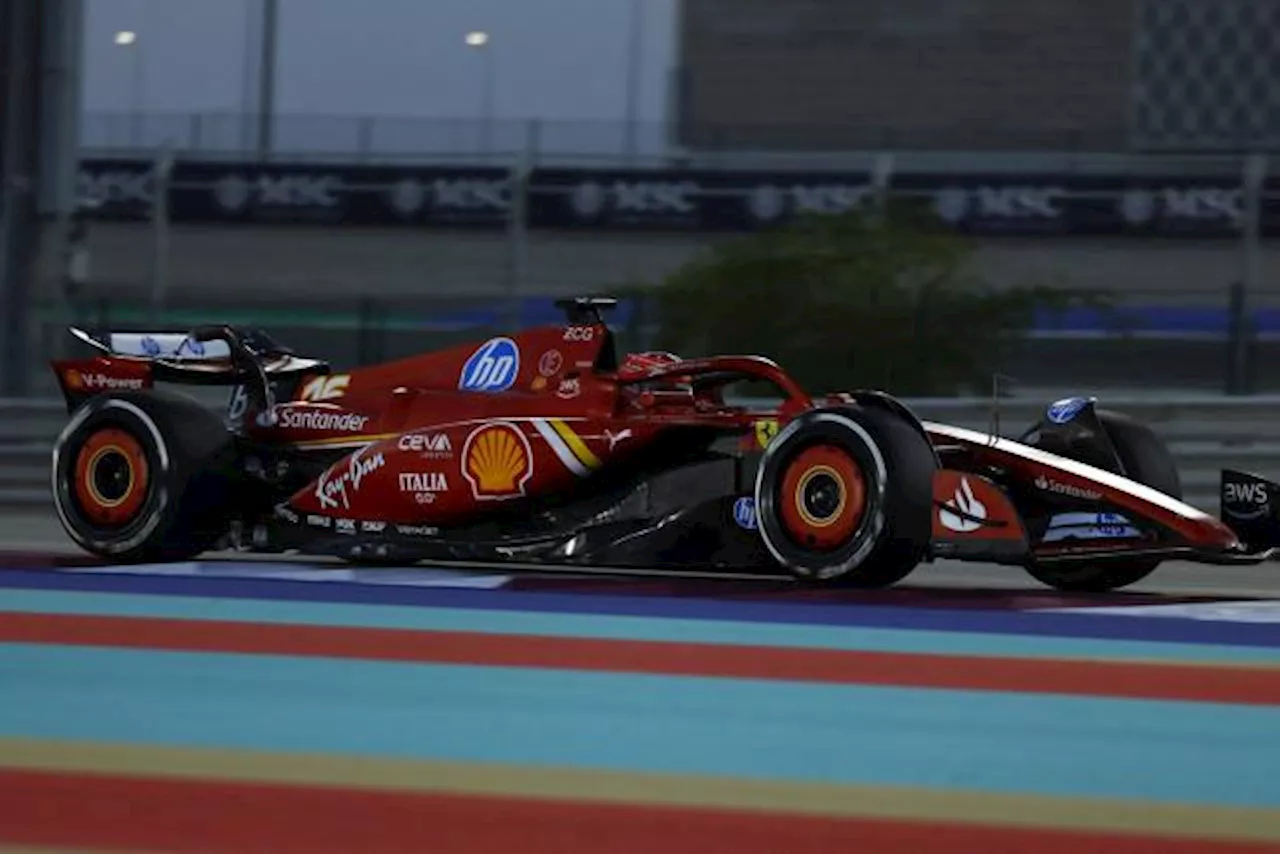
x,y
865,616
771,589
973,598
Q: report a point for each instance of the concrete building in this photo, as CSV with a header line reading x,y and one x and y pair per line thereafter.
x,y
978,74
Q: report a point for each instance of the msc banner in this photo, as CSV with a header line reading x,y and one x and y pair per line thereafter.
x,y
664,200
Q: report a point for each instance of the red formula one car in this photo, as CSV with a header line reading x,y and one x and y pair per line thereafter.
x,y
549,447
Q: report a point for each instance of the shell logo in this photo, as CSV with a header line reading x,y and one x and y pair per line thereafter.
x,y
497,461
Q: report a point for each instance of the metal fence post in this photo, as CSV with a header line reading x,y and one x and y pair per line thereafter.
x,y
364,138
160,226
19,225
634,76
1255,174
195,132
267,80
518,232
881,178
533,141
371,345
1237,339
76,274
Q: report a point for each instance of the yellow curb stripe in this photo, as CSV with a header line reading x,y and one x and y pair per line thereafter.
x,y
1187,820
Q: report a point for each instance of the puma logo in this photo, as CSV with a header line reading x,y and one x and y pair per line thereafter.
x,y
615,438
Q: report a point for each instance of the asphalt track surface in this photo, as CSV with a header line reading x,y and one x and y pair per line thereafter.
x,y
37,532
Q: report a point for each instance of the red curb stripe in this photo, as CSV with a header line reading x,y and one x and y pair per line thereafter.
x,y
202,817
1238,685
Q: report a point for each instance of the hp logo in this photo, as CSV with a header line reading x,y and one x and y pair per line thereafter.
x,y
493,367
1063,411
744,513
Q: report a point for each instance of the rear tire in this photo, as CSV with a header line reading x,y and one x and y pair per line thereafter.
x,y
1147,460
139,477
844,497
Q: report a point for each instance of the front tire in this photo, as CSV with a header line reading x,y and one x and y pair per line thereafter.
x,y
844,497
136,477
1146,459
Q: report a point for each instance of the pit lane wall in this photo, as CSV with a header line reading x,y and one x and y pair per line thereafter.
x,y
1205,434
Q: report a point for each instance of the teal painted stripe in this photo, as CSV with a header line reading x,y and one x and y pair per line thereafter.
x,y
1189,752
619,627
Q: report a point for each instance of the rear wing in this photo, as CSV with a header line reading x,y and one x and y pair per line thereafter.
x,y
216,355
153,345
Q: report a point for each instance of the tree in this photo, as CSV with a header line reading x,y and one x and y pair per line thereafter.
x,y
866,299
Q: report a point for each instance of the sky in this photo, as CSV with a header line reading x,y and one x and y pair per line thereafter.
x,y
551,59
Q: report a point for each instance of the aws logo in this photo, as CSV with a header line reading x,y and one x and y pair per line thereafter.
x,y
1246,493
1246,499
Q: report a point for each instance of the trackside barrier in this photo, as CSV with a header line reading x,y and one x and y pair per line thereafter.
x,y
1205,433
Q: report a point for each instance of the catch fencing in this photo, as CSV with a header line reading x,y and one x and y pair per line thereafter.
x,y
1205,434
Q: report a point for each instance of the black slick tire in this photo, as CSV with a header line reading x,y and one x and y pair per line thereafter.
x,y
166,484
879,541
1146,459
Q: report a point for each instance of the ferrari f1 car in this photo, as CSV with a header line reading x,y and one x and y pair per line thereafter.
x,y
549,447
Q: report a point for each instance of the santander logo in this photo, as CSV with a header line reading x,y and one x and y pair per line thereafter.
x,y
963,502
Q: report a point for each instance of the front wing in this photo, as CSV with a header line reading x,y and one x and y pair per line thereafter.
x,y
977,519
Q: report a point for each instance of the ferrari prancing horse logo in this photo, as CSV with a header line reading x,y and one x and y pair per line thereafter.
x,y
765,431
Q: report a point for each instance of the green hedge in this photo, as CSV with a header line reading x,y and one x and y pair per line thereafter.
x,y
862,300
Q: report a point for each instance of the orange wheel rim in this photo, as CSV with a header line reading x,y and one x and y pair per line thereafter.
x,y
111,477
823,498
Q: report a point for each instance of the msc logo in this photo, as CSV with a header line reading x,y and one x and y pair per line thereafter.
x,y
494,367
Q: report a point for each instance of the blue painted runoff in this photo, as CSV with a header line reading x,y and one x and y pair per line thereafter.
x,y
994,742
917,619
614,627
